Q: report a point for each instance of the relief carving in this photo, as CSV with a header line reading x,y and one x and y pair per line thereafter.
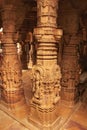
x,y
46,86
47,3
47,13
46,74
11,77
69,75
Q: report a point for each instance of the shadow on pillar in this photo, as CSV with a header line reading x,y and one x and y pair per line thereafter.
x,y
42,119
11,104
69,97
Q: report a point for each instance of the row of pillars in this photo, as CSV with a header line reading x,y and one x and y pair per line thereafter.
x,y
46,73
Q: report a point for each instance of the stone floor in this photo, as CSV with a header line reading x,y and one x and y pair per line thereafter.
x,y
72,119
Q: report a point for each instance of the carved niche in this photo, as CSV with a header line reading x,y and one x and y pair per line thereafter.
x,y
46,86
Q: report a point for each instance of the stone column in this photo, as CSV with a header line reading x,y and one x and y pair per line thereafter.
x,y
46,74
70,65
13,93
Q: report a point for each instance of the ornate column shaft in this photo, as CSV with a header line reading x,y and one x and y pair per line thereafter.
x,y
46,74
13,94
70,65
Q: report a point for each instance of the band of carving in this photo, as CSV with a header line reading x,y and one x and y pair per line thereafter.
x,y
46,86
47,13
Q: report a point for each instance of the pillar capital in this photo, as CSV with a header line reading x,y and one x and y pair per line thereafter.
x,y
46,34
10,11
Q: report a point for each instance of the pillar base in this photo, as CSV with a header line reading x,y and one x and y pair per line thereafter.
x,y
44,119
38,126
70,104
69,97
19,109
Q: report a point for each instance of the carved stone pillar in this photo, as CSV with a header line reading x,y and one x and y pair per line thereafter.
x,y
12,94
70,65
70,73
46,74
